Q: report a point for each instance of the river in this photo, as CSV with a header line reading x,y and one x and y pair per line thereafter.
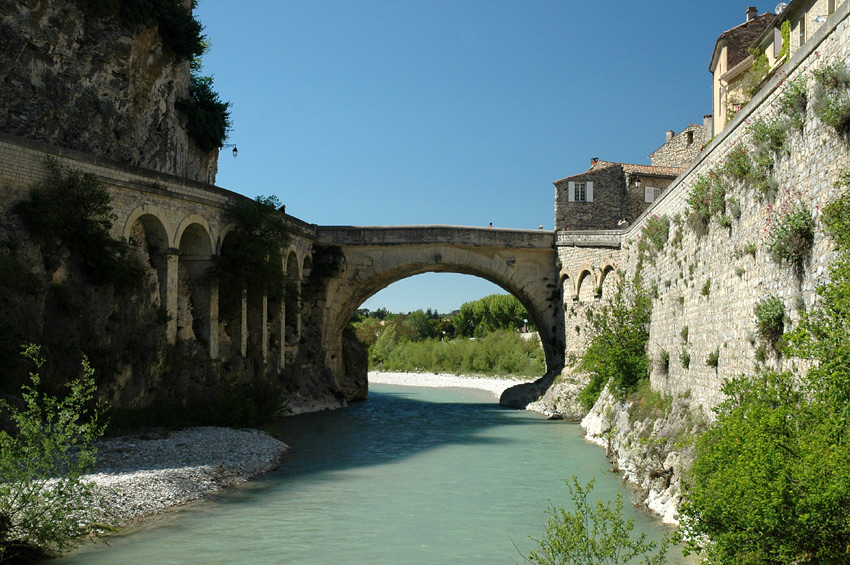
x,y
412,475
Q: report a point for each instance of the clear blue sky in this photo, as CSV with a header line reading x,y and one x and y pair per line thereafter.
x,y
464,112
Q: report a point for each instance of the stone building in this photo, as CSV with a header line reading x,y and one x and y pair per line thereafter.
x,y
681,148
730,62
607,192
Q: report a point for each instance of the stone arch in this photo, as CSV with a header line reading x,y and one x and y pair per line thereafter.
x,y
194,292
306,266
292,295
232,324
148,237
532,279
608,280
225,231
191,220
568,288
155,214
586,285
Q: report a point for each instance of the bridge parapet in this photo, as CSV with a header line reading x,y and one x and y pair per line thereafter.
x,y
596,238
436,234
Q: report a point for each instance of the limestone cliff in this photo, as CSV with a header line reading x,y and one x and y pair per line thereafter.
x,y
97,86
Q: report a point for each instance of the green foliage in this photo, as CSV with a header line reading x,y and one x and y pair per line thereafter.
x,y
656,231
485,315
685,358
794,99
785,31
73,209
616,351
646,403
713,358
208,118
770,318
738,164
684,334
44,504
501,352
593,534
706,288
754,78
665,360
769,138
792,233
831,101
707,198
252,250
769,483
178,28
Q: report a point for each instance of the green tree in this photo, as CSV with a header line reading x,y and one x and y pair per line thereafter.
x,y
44,503
619,331
421,324
493,312
252,255
593,534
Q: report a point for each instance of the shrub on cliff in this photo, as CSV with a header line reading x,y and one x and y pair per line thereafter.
x,y
619,331
73,209
770,482
44,504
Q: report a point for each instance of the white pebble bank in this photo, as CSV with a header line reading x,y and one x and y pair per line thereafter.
x,y
433,380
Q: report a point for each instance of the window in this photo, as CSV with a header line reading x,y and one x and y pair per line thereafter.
x,y
651,193
690,136
580,191
802,29
831,7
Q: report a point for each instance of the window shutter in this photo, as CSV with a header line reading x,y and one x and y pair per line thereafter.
x,y
590,191
571,191
649,194
777,41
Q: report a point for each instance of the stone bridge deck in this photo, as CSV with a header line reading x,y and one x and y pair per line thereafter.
x,y
436,234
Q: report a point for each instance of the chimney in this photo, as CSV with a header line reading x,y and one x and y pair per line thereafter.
x,y
752,12
669,135
594,160
708,125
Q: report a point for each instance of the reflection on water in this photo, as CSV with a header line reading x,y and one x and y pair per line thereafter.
x,y
409,476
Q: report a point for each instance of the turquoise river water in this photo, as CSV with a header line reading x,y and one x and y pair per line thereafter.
x,y
412,475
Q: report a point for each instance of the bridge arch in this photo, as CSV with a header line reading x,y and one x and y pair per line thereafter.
x,y
520,262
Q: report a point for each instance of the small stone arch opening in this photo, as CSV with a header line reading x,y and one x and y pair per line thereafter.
x,y
193,285
292,306
586,287
608,285
231,325
149,242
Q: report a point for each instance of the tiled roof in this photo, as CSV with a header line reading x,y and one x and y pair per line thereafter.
x,y
740,38
648,170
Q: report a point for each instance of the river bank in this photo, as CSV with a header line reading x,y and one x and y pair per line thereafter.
x,y
495,385
144,474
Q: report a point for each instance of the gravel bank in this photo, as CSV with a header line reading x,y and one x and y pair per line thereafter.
x,y
144,474
431,380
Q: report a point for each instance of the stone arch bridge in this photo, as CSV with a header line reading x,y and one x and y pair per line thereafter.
x,y
522,262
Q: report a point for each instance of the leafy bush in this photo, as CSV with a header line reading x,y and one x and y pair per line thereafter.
x,y
707,198
770,318
831,102
769,137
593,534
685,358
713,358
252,250
793,101
73,209
656,231
616,351
208,118
792,236
738,164
44,504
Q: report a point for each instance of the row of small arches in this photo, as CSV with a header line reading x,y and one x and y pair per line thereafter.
x,y
587,283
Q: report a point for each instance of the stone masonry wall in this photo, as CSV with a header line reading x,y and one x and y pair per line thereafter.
x,y
711,284
679,152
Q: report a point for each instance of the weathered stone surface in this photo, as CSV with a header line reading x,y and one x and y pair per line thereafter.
x,y
95,86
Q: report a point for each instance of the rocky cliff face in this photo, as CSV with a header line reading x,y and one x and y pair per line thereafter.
x,y
92,85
